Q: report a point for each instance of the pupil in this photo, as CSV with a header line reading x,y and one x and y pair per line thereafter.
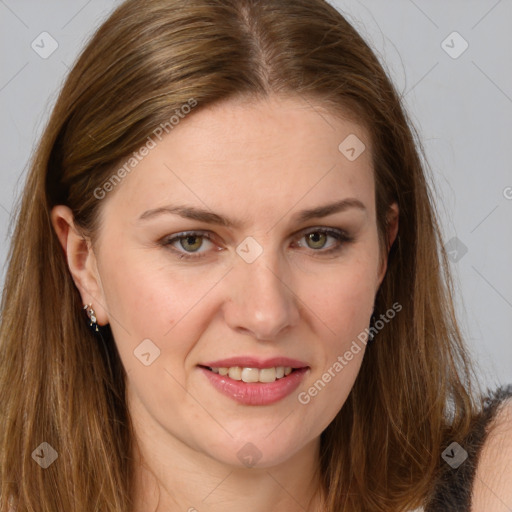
x,y
190,240
314,237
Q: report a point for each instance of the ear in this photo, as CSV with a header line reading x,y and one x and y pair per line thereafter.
x,y
391,234
81,261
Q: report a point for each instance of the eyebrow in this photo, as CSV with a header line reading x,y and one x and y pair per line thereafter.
x,y
190,212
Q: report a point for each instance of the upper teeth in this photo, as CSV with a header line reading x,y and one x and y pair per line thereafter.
x,y
254,374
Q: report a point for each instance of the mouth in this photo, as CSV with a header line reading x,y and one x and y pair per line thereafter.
x,y
250,385
252,375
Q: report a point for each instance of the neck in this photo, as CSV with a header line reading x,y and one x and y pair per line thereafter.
x,y
173,477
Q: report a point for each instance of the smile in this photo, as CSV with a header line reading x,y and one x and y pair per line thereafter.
x,y
254,374
255,386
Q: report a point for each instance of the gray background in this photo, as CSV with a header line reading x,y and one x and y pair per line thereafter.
x,y
460,103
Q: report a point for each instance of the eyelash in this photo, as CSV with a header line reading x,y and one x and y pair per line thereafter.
x,y
341,236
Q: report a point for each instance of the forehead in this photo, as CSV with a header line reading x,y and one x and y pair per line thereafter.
x,y
251,154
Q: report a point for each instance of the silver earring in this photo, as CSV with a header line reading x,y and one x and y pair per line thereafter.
x,y
91,314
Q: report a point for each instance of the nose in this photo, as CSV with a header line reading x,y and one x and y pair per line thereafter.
x,y
260,302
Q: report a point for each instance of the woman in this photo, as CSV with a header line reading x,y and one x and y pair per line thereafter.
x,y
232,192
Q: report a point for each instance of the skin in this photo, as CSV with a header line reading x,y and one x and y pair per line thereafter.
x,y
492,489
258,163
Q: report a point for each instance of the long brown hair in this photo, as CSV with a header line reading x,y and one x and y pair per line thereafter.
x,y
62,384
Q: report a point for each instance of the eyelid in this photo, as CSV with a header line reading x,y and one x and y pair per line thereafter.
x,y
167,241
341,235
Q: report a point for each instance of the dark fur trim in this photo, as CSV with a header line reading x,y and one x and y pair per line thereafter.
x,y
452,491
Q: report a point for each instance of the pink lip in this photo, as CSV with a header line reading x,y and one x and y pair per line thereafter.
x,y
254,362
255,393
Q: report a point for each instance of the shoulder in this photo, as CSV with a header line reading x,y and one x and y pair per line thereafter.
x,y
492,486
481,481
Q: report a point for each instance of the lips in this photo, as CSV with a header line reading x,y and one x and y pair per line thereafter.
x,y
254,362
254,381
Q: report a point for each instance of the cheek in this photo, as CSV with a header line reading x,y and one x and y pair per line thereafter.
x,y
345,296
147,299
343,307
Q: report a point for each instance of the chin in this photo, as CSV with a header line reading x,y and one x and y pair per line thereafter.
x,y
256,451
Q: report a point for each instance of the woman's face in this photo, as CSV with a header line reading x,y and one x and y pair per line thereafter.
x,y
271,276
